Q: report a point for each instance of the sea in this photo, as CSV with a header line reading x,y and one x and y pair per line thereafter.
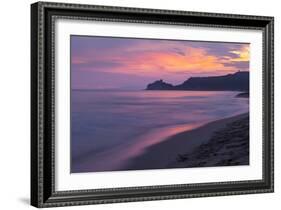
x,y
110,127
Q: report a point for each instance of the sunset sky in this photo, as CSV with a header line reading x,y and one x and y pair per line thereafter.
x,y
130,63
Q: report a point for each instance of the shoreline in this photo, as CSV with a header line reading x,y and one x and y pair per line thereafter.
x,y
183,149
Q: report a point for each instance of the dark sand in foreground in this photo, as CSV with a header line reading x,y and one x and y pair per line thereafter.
x,y
220,143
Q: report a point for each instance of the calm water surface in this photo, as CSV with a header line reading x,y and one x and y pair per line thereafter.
x,y
110,127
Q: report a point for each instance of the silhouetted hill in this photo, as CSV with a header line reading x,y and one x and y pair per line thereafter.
x,y
159,85
238,81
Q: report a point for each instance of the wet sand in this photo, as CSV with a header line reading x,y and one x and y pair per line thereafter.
x,y
212,144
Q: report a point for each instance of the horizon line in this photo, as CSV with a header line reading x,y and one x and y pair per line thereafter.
x,y
134,89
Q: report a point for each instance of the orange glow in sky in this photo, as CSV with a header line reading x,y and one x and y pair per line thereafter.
x,y
147,58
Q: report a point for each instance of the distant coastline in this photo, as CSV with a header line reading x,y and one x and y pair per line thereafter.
x,y
238,81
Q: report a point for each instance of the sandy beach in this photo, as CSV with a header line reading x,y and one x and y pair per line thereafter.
x,y
219,143
129,130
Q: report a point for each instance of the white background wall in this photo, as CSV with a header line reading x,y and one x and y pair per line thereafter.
x,y
15,104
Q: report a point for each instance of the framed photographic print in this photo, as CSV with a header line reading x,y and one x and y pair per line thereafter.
x,y
132,104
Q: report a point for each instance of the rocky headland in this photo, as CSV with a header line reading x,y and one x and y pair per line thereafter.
x,y
238,81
